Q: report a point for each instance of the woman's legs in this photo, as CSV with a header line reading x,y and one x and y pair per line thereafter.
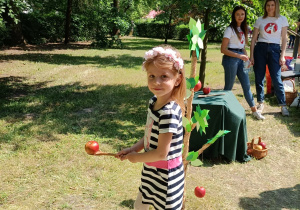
x,y
138,205
260,62
230,65
245,82
275,73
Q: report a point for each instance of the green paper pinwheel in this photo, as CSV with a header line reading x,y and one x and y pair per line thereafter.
x,y
197,34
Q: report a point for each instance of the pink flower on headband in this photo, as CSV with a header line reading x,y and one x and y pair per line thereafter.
x,y
168,53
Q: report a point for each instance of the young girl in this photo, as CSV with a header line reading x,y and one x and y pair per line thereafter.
x,y
272,30
233,48
162,182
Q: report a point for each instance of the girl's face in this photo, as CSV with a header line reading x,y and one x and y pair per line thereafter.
x,y
161,82
270,8
239,16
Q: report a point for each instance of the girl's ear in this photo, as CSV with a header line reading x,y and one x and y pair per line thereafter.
x,y
178,80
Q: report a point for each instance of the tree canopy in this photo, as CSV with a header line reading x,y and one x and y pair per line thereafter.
x,y
39,21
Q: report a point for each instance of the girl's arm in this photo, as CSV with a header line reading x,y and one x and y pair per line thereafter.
x,y
160,153
253,41
225,51
134,148
283,45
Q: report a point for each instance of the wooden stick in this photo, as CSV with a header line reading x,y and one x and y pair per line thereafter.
x,y
204,147
99,153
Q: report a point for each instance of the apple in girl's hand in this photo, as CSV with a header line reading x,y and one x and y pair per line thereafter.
x,y
263,144
91,147
206,90
198,86
199,192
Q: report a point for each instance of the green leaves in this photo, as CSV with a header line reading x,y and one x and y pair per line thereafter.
x,y
192,156
197,34
187,124
218,135
191,82
196,163
200,118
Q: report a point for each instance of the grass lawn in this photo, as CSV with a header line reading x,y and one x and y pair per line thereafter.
x,y
53,99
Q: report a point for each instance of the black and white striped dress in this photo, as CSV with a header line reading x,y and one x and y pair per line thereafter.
x,y
163,187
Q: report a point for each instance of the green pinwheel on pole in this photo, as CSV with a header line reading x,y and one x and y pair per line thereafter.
x,y
197,34
200,117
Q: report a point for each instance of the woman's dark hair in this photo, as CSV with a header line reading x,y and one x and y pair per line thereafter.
x,y
244,26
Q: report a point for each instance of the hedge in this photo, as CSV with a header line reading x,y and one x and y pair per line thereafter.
x,y
179,32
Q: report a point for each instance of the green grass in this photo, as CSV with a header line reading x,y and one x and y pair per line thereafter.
x,y
53,99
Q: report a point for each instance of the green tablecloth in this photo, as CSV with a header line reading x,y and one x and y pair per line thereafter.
x,y
226,113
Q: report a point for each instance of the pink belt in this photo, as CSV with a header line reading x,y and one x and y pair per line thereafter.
x,y
166,164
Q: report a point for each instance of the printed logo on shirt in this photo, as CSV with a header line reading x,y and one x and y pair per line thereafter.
x,y
242,37
271,28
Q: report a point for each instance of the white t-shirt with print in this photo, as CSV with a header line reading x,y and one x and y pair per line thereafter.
x,y
234,41
270,28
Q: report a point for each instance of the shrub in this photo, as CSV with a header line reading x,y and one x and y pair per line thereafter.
x,y
3,33
152,30
181,31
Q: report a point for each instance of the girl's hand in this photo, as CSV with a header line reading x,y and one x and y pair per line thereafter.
x,y
122,154
243,57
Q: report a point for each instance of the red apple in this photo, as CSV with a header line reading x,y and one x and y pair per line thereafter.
x,y
197,86
206,90
199,192
91,147
263,144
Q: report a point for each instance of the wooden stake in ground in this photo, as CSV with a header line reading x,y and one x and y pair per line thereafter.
x,y
186,138
197,34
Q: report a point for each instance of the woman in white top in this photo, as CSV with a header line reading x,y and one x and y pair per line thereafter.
x,y
233,48
272,28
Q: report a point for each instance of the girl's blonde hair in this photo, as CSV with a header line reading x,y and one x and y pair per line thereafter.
x,y
161,61
277,9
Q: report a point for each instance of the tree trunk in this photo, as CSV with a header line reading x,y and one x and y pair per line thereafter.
x,y
116,30
168,28
15,30
186,138
204,50
68,21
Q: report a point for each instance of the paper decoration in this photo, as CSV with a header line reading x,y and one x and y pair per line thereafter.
x,y
196,36
196,163
200,118
218,135
190,84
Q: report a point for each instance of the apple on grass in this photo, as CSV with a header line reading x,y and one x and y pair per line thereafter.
x,y
197,86
263,144
91,147
206,90
199,192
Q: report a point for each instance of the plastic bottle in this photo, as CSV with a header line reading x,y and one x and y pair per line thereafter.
x,y
246,68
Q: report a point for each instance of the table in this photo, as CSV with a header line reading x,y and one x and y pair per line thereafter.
x,y
226,113
290,74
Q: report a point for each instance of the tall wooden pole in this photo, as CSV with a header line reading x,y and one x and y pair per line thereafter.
x,y
186,138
